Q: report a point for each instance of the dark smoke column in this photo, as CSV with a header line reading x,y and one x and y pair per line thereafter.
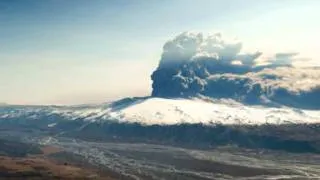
x,y
189,59
192,64
168,79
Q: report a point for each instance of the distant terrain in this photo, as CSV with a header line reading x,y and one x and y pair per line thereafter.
x,y
155,139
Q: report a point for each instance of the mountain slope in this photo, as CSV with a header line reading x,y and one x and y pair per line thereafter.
x,y
153,110
196,123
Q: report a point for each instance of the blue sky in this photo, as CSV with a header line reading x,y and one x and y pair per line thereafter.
x,y
79,51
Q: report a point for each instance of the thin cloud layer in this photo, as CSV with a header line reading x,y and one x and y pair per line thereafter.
x,y
193,64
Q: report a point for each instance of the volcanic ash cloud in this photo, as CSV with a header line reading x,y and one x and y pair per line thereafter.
x,y
193,64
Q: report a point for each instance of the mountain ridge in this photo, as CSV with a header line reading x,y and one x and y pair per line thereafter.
x,y
154,110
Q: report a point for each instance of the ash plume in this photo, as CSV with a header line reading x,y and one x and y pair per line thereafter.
x,y
194,64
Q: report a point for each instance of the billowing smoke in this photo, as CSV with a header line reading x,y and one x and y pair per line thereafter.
x,y
193,64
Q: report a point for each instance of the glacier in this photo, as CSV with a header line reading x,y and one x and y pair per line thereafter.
x,y
168,111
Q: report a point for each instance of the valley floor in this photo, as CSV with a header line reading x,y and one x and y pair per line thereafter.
x,y
44,167
65,158
157,162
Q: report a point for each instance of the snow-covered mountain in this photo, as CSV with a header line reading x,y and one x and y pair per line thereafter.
x,y
163,111
195,122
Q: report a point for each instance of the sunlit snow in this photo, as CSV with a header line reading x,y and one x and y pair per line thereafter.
x,y
172,111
